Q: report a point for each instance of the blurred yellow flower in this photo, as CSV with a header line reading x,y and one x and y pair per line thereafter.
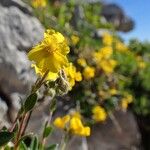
x,y
121,47
99,114
82,62
126,101
72,74
103,59
129,98
103,53
75,39
108,65
73,124
38,3
141,64
113,91
76,127
50,54
89,72
107,39
61,122
76,114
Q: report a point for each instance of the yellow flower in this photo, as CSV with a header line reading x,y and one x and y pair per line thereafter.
x,y
75,39
99,114
78,76
72,75
121,47
73,124
129,98
87,131
103,53
107,39
126,101
61,122
76,127
113,91
89,72
108,65
82,62
76,115
50,54
38,3
124,104
142,64
51,76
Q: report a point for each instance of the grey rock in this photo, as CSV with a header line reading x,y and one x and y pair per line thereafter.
x,y
110,138
114,14
19,31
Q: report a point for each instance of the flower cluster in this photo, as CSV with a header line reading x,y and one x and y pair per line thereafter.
x,y
88,72
72,74
72,124
140,62
104,61
75,39
126,101
99,114
107,39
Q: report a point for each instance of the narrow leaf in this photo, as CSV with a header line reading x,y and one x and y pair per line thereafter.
x,y
22,146
47,131
34,144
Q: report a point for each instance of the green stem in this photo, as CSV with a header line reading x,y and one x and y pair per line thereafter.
x,y
64,141
48,122
19,132
39,83
26,116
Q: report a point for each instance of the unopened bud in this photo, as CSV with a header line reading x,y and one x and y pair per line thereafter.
x,y
62,83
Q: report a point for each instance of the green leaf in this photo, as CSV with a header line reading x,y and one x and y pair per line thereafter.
x,y
22,146
30,102
34,144
47,131
52,147
30,135
5,137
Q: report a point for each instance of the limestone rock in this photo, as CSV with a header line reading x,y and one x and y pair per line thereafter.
x,y
19,31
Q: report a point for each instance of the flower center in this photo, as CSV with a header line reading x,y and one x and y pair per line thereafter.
x,y
50,49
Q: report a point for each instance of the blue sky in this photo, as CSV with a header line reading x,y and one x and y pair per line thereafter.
x,y
139,10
